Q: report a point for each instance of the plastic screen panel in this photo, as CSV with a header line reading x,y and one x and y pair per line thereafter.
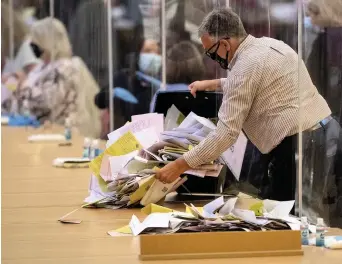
x,y
322,169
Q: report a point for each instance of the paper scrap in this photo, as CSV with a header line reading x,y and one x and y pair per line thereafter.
x,y
282,209
118,162
198,173
151,120
124,145
213,206
70,221
123,230
249,216
234,156
155,220
228,206
154,208
257,208
142,190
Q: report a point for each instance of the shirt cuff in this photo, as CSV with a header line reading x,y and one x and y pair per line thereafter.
x,y
223,83
193,159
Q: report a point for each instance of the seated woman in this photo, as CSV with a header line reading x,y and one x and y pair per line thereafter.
x,y
60,86
17,60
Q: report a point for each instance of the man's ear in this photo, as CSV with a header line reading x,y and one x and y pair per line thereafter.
x,y
225,43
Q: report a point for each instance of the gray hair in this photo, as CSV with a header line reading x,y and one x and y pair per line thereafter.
x,y
221,23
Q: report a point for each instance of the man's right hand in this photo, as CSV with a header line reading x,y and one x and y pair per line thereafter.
x,y
207,86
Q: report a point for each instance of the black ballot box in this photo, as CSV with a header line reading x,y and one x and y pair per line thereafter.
x,y
206,104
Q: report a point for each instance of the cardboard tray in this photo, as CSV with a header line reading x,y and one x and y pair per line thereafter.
x,y
220,245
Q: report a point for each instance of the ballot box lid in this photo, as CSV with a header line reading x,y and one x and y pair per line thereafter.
x,y
206,104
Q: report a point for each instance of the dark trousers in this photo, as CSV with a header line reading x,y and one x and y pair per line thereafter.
x,y
322,173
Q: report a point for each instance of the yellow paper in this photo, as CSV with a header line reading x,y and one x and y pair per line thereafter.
x,y
124,230
154,208
189,210
127,143
144,185
257,208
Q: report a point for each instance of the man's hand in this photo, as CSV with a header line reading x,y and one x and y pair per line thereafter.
x,y
208,86
172,171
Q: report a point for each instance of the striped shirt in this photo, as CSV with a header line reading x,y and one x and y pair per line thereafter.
x,y
261,97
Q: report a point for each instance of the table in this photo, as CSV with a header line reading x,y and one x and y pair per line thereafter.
x,y
35,195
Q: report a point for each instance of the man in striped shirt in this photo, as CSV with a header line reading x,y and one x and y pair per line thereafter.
x,y
266,85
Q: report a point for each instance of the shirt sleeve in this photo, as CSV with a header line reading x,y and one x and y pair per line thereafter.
x,y
239,90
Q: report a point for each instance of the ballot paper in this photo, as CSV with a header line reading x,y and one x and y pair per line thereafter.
x,y
117,163
139,125
155,220
234,156
162,220
151,120
173,118
192,119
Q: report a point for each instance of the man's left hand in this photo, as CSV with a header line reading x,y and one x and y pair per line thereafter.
x,y
172,171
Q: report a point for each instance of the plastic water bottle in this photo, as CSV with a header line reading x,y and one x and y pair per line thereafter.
x,y
304,229
67,129
94,150
320,236
86,148
26,108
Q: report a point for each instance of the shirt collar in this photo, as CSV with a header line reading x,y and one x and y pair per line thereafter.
x,y
248,41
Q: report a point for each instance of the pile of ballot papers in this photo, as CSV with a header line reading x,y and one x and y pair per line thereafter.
x,y
124,174
232,214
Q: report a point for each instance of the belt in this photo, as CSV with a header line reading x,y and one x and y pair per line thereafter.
x,y
321,124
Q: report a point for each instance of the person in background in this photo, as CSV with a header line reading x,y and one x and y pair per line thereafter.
x,y
128,41
24,59
325,68
63,10
184,66
60,86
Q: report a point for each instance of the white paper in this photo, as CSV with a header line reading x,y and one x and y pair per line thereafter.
x,y
172,117
282,209
134,127
193,119
95,192
198,173
249,216
228,207
214,173
147,137
46,137
233,156
151,120
214,205
154,220
117,163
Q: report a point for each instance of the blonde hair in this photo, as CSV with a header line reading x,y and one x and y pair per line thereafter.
x,y
325,13
20,30
51,35
87,117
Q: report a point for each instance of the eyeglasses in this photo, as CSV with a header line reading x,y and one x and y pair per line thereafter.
x,y
213,55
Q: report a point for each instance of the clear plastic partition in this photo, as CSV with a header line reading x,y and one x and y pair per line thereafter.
x,y
322,167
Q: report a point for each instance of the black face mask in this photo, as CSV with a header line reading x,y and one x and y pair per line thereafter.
x,y
38,52
214,56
